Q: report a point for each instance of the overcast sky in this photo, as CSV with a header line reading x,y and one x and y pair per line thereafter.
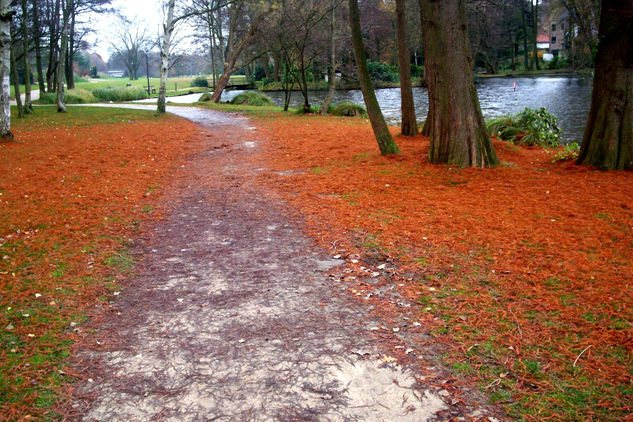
x,y
147,11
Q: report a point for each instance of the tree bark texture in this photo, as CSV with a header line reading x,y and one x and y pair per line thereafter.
x,y
381,132
409,126
455,123
37,41
608,137
331,73
16,85
5,68
28,106
51,72
61,106
168,28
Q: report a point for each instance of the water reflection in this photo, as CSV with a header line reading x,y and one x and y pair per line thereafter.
x,y
568,98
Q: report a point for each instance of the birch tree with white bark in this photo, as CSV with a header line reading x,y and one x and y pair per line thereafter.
x,y
6,13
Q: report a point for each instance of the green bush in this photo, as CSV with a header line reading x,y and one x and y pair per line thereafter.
x,y
313,109
528,128
252,98
207,96
567,153
73,96
416,71
119,94
348,109
200,81
382,72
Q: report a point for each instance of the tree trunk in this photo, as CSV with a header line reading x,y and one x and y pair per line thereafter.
x,y
223,81
409,126
535,33
70,56
381,132
37,40
61,106
236,52
51,72
526,60
331,81
608,138
286,83
168,28
276,67
5,68
16,85
28,106
456,129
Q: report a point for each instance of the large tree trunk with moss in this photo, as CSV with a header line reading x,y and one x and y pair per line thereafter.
x,y
608,138
381,132
409,126
455,123
5,68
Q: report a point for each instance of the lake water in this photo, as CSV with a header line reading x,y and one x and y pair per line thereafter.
x,y
568,98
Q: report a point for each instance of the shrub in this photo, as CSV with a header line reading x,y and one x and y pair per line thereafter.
x,y
252,98
382,72
73,96
348,109
527,128
567,153
207,96
313,109
119,94
200,81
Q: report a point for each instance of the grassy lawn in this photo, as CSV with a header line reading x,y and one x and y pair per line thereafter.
x,y
175,86
74,188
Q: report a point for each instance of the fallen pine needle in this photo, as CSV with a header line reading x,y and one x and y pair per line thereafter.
x,y
578,357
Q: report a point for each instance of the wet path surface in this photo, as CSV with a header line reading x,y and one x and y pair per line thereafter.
x,y
231,317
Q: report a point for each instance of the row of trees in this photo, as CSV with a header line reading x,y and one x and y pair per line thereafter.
x,y
300,36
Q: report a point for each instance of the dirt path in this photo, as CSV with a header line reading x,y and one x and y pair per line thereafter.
x,y
231,316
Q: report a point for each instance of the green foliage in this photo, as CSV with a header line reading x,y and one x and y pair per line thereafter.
x,y
558,63
200,81
313,109
527,128
78,78
417,71
348,109
120,94
568,153
382,72
206,97
73,96
252,98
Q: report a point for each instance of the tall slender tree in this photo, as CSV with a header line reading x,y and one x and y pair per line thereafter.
x,y
331,73
409,126
381,132
455,124
67,6
608,138
6,13
26,65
